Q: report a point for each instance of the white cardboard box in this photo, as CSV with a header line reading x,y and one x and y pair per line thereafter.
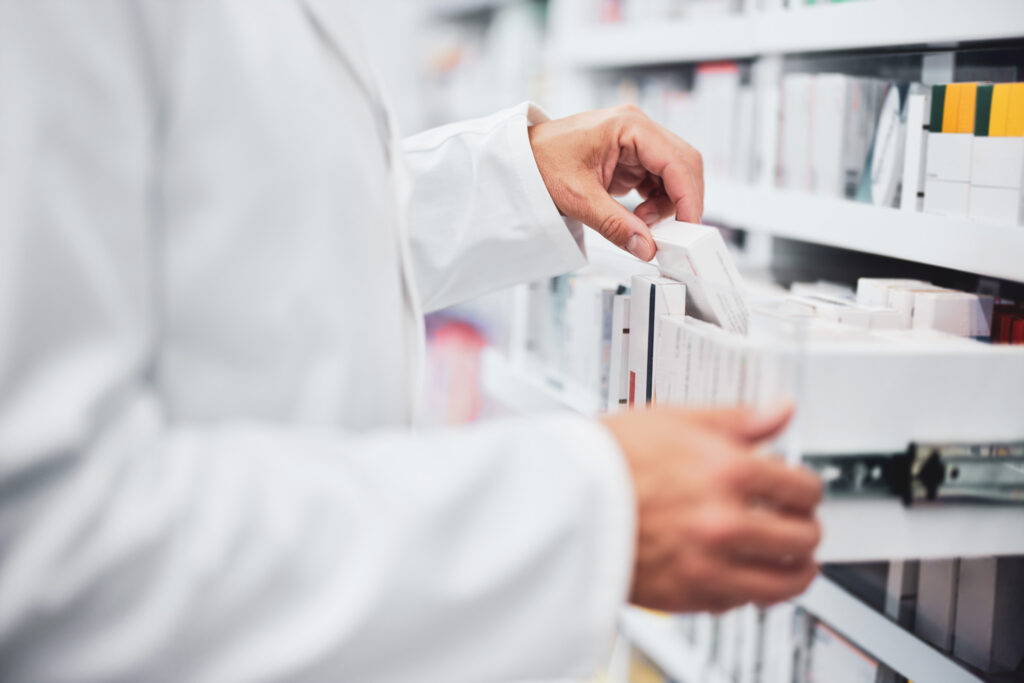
x,y
997,205
959,313
947,197
651,298
949,157
829,116
795,143
998,162
697,256
901,298
618,371
873,291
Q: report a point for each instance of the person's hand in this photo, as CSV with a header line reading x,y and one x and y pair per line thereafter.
x,y
718,525
587,158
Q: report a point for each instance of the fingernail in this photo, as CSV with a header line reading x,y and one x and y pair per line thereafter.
x,y
651,219
637,246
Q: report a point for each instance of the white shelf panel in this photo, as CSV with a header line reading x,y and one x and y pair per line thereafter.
x,y
854,530
882,638
885,529
610,46
961,244
847,26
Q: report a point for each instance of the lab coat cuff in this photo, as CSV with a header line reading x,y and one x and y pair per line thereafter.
x,y
615,521
565,235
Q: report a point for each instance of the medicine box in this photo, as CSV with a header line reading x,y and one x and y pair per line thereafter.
x,y
696,255
651,297
950,144
997,155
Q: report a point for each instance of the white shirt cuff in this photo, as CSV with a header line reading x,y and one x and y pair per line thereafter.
x,y
565,234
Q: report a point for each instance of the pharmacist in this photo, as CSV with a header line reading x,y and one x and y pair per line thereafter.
x,y
215,254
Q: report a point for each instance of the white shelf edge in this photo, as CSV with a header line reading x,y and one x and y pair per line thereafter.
x,y
957,243
857,530
847,26
869,530
881,638
611,46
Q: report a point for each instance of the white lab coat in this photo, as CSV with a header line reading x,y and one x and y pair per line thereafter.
x,y
212,272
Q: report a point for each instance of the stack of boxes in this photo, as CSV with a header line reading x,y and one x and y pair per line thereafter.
x,y
997,155
975,152
947,183
828,123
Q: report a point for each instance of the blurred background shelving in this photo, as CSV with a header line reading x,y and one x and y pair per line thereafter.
x,y
715,72
861,25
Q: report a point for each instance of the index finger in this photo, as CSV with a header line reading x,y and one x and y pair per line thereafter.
x,y
677,164
795,489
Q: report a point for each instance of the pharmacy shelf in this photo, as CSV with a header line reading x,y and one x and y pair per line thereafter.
x,y
846,26
623,45
856,530
866,530
525,390
883,639
957,243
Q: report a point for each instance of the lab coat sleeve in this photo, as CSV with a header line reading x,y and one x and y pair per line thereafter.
x,y
480,217
135,547
243,552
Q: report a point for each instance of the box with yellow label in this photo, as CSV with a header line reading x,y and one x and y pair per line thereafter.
x,y
997,155
950,145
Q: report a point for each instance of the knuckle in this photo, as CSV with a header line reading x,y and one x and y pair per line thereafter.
x,y
735,473
630,110
718,529
615,229
700,571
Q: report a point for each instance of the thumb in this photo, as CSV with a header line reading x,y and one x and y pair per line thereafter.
x,y
616,223
748,424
